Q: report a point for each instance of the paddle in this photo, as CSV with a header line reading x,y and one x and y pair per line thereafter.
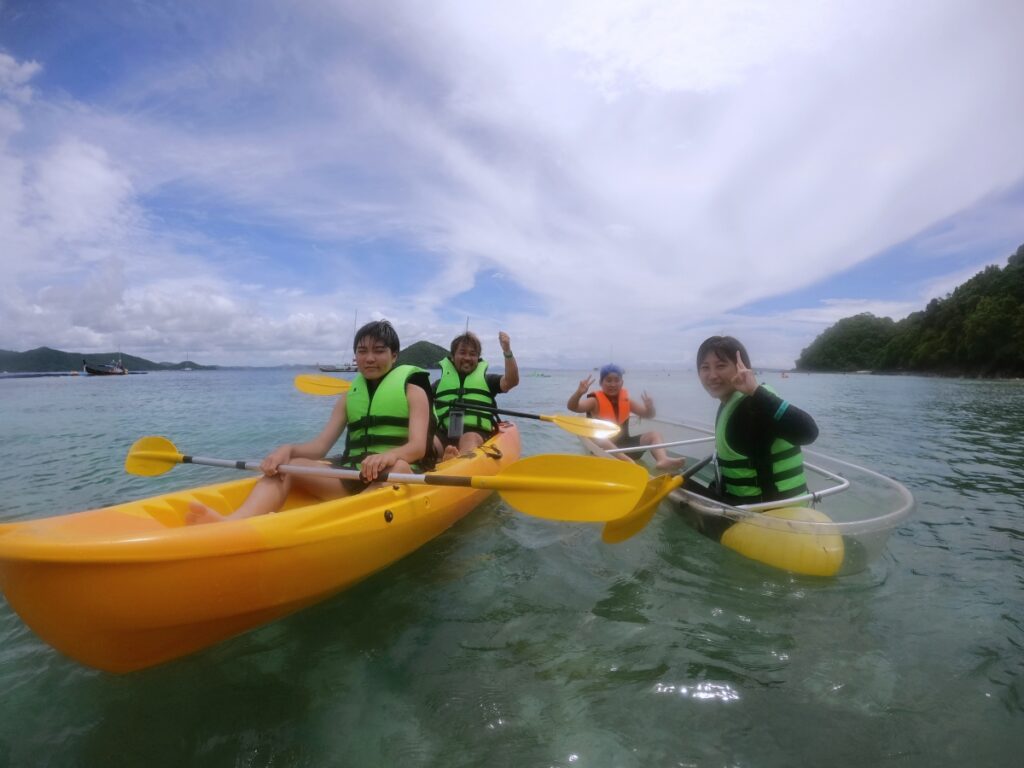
x,y
582,489
642,448
658,488
313,384
577,425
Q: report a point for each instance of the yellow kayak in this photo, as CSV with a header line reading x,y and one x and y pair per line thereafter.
x,y
130,586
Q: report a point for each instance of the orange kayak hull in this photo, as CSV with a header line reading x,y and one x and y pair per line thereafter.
x,y
130,586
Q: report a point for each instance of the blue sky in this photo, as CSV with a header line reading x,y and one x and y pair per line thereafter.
x,y
236,180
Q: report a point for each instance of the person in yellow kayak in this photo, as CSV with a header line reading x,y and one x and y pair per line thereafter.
x,y
611,402
757,434
465,379
389,417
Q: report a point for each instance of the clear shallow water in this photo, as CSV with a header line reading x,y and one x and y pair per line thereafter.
x,y
511,641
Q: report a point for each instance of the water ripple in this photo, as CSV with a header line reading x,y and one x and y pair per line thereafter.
x,y
514,641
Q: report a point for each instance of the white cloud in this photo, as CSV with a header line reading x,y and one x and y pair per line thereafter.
x,y
643,169
15,76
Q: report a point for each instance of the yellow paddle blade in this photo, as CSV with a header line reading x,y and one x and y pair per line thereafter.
x,y
626,527
312,384
581,489
584,426
151,455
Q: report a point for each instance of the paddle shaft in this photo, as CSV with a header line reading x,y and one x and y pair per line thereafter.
x,y
642,448
484,482
691,471
461,405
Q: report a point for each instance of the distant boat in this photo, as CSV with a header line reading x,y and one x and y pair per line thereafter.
x,y
344,367
113,368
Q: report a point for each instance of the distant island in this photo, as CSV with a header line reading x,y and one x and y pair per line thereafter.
x,y
46,360
976,331
425,354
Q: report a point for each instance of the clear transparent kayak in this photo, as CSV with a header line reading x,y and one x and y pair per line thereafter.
x,y
838,528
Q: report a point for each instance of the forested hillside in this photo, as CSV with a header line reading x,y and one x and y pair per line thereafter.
x,y
46,360
977,330
425,354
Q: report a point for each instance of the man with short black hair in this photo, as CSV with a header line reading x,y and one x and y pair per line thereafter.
x,y
464,379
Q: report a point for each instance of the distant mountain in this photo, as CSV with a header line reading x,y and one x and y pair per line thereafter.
x,y
46,360
425,354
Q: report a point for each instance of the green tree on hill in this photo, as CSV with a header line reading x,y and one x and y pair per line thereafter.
x,y
853,344
425,354
977,330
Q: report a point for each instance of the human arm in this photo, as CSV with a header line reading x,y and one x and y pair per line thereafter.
x,y
314,449
763,417
511,376
413,449
645,408
785,419
587,405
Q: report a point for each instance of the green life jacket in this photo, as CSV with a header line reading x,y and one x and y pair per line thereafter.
x,y
473,388
753,479
377,422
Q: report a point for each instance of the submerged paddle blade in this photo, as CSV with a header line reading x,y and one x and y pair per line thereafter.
x,y
313,384
580,489
584,426
151,455
626,527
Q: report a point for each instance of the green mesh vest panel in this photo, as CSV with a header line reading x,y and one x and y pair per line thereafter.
x,y
473,389
381,422
740,476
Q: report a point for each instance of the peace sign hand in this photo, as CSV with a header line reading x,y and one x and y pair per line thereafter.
x,y
648,404
585,385
744,380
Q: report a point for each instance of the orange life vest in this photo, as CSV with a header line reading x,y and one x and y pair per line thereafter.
x,y
606,411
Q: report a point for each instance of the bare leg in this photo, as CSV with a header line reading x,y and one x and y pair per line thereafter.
x,y
268,495
608,445
470,441
661,458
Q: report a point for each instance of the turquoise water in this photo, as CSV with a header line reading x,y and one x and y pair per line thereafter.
x,y
513,641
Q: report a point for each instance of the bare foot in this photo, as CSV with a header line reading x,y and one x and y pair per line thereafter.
x,y
451,452
198,514
670,464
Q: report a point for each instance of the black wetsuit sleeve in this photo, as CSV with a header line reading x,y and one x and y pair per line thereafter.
x,y
422,380
493,383
763,417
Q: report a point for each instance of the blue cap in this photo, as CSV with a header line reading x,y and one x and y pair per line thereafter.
x,y
610,368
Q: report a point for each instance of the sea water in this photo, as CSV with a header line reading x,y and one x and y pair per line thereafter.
x,y
515,641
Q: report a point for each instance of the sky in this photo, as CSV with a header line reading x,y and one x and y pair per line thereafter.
x,y
240,182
